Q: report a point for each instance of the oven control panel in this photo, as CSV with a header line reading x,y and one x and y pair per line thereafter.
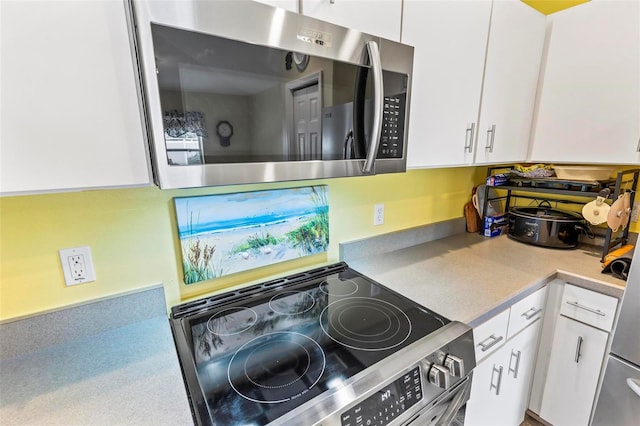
x,y
387,403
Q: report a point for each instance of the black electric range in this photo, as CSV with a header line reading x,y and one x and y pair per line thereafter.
x,y
312,347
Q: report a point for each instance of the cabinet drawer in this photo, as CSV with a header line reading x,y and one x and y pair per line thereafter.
x,y
527,311
490,335
589,307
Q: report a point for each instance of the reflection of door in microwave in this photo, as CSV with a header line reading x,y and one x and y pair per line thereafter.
x,y
276,110
307,124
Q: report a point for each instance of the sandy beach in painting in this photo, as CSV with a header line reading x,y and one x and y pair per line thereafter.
x,y
225,241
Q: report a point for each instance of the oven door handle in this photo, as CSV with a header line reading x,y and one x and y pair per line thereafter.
x,y
456,404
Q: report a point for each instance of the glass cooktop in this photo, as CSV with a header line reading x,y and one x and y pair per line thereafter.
x,y
260,352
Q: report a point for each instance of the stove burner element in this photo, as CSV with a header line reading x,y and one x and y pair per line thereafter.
x,y
365,323
291,302
338,287
276,367
228,322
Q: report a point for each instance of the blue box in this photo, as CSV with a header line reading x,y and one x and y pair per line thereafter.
x,y
494,225
497,180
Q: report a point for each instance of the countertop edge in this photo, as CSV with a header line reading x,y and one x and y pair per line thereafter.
x,y
510,300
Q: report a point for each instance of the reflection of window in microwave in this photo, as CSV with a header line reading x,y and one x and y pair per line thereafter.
x,y
184,150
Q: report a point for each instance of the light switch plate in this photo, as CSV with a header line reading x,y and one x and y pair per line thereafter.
x,y
634,212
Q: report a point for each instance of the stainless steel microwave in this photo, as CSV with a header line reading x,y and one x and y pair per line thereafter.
x,y
240,92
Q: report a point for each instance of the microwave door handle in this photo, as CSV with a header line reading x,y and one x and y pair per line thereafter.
x,y
348,146
378,102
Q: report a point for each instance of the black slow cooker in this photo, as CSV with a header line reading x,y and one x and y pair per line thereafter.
x,y
545,226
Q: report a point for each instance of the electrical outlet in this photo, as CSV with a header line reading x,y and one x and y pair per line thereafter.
x,y
378,214
77,265
635,212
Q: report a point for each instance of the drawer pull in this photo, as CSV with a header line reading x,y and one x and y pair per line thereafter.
x,y
497,385
578,349
586,308
493,340
528,315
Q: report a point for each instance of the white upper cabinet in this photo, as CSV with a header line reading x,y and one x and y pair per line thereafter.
x,y
474,60
589,108
381,17
516,41
70,114
450,39
291,5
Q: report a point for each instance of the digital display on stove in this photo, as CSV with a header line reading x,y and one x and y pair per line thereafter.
x,y
387,404
262,356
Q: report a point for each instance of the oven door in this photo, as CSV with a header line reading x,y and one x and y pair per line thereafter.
x,y
449,409
240,92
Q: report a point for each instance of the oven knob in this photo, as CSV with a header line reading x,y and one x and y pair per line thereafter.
x,y
439,376
455,365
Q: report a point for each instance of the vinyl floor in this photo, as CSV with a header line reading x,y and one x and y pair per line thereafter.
x,y
530,421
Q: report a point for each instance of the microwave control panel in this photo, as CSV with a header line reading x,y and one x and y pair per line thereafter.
x,y
392,137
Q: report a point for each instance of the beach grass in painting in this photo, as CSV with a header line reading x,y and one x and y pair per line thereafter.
x,y
228,233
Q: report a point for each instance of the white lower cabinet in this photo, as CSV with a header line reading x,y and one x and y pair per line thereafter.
x,y
502,380
577,355
567,378
521,359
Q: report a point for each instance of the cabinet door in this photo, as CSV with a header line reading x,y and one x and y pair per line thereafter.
x,y
511,74
381,18
70,116
574,367
291,5
502,382
488,401
589,108
450,42
521,358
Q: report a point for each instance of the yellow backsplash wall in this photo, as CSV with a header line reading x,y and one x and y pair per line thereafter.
x,y
132,234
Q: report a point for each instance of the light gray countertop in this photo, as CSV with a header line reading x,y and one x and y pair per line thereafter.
x,y
469,278
126,375
117,364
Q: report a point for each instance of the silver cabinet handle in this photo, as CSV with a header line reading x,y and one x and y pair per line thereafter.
x,y
514,370
492,341
497,385
586,308
491,134
529,314
378,102
578,349
468,137
638,147
634,385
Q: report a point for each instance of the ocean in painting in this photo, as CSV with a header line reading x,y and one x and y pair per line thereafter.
x,y
228,233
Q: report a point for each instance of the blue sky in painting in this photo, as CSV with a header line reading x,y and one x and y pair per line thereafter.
x,y
211,213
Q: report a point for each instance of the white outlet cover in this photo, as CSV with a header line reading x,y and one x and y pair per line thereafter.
x,y
378,214
85,252
635,212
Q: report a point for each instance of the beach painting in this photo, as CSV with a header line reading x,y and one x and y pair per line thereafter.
x,y
228,233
